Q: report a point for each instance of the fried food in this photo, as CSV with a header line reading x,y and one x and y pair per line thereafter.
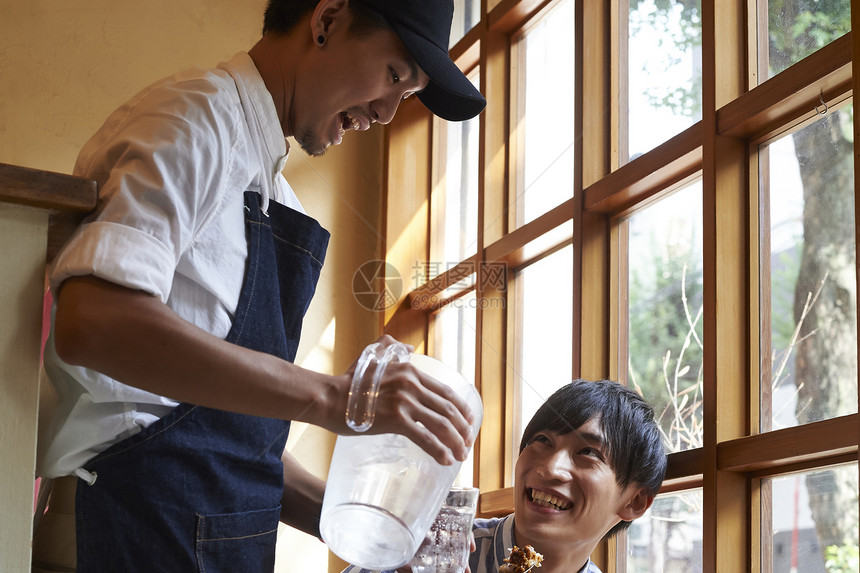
x,y
521,560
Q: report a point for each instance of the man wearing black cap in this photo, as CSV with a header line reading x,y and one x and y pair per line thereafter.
x,y
179,302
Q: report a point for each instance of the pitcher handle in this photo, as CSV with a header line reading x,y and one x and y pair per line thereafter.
x,y
361,404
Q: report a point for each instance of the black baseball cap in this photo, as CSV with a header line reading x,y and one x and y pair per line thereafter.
x,y
424,27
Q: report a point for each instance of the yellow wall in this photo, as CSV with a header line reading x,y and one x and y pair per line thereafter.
x,y
65,65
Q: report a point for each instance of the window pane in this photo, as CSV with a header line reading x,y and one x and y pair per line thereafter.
x,y
668,538
455,335
809,287
467,13
455,192
797,28
544,334
545,113
665,313
813,520
664,73
455,332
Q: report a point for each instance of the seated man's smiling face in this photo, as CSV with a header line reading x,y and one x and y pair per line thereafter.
x,y
566,489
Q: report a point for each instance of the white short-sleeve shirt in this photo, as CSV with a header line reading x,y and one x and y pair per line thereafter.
x,y
172,166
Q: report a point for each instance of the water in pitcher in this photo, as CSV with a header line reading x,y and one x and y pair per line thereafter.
x,y
383,491
379,498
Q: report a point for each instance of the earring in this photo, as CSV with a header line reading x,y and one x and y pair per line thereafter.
x,y
320,39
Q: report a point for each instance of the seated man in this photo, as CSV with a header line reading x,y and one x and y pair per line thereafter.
x,y
591,461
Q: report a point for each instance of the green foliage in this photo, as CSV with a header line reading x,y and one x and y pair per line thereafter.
x,y
680,99
690,9
665,350
680,23
657,311
842,558
796,28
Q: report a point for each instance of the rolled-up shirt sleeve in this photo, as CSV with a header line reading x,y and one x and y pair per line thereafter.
x,y
162,163
145,263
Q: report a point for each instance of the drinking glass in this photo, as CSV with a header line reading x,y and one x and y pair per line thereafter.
x,y
446,545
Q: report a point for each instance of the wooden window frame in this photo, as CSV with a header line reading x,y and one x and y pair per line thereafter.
x,y
738,114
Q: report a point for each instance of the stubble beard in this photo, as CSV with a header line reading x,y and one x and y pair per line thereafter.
x,y
311,144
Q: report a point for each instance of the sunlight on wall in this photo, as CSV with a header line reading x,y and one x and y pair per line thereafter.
x,y
400,251
297,551
58,85
319,357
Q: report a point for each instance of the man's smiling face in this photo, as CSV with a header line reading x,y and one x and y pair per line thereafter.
x,y
359,79
565,488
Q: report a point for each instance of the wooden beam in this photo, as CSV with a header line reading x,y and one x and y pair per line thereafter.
x,y
792,96
790,446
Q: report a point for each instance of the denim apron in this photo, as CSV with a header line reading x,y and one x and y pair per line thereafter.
x,y
200,489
